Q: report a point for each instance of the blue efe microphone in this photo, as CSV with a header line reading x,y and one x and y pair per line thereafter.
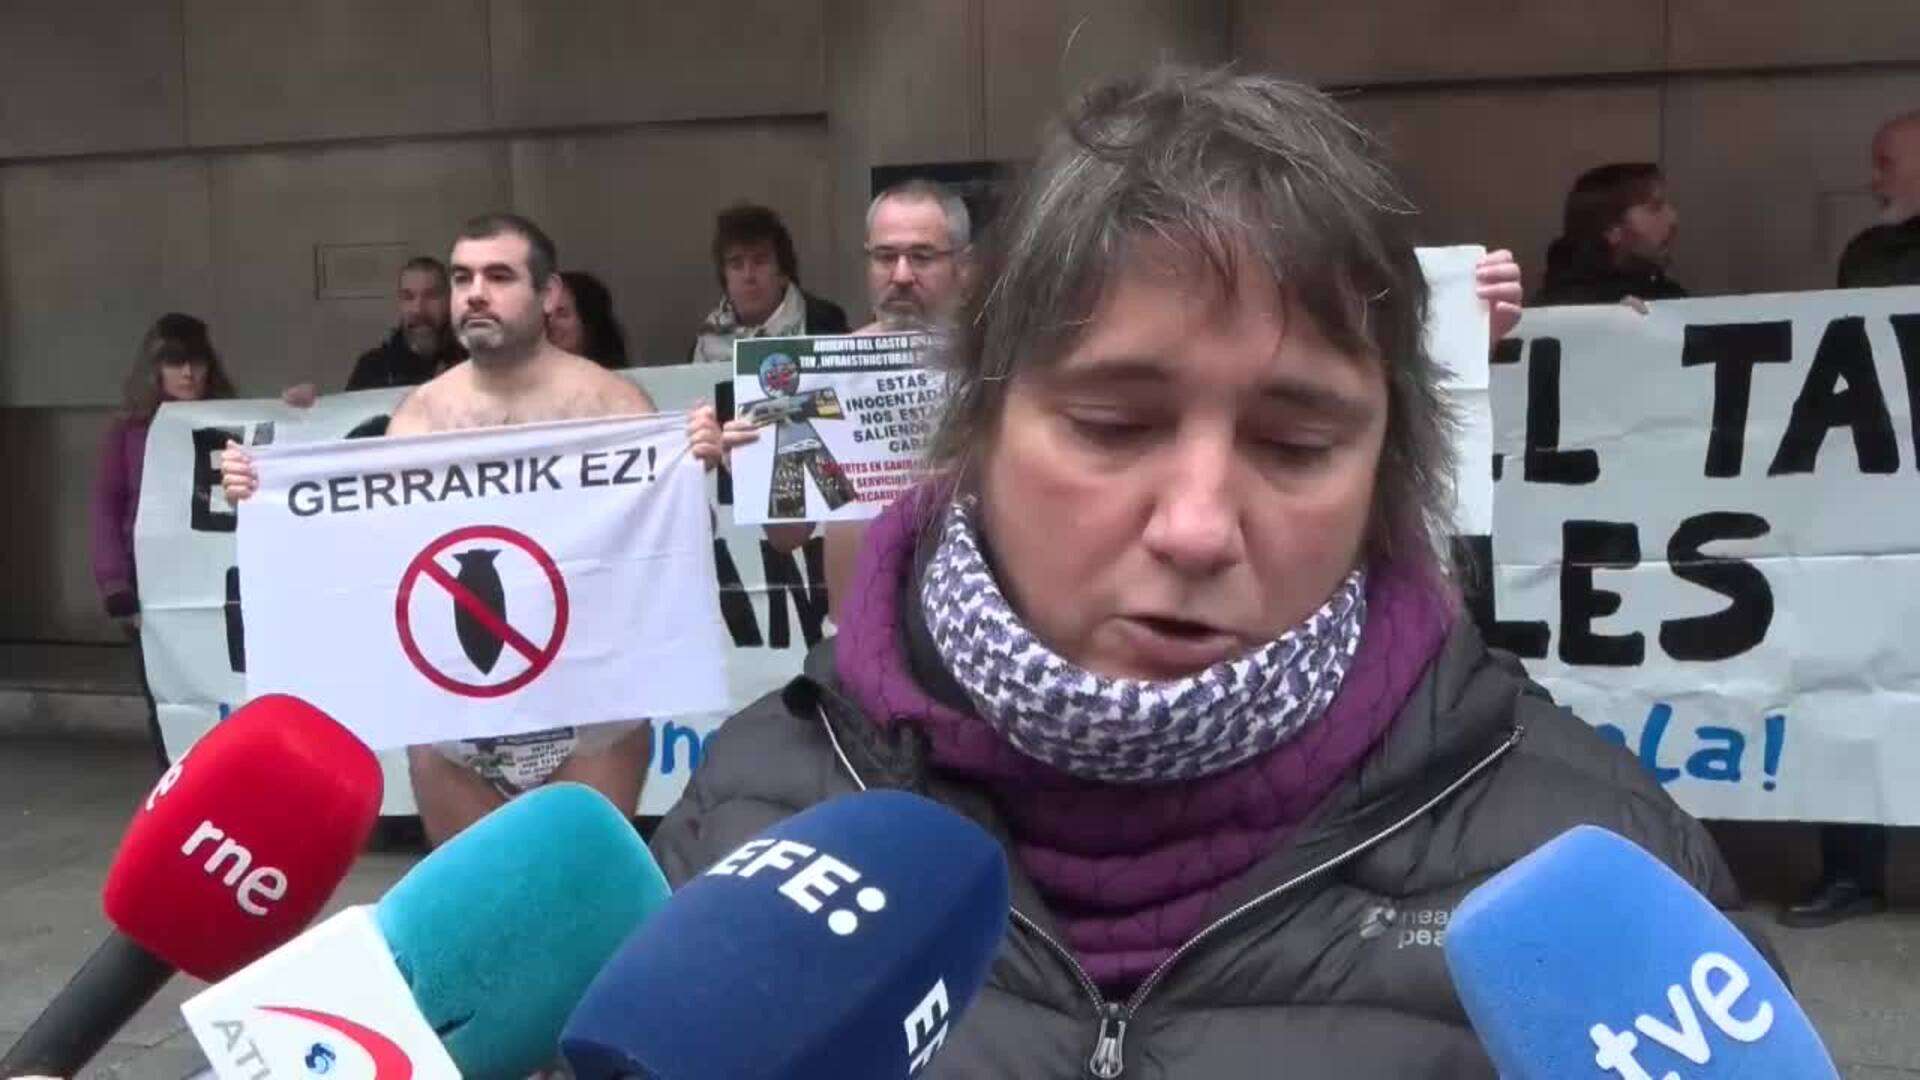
x,y
842,942
1591,958
499,931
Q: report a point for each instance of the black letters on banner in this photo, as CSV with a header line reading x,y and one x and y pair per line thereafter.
x,y
1585,547
736,606
1505,351
207,444
236,627
723,411
1743,623
1544,461
1733,349
1844,353
809,597
1473,569
1906,331
783,585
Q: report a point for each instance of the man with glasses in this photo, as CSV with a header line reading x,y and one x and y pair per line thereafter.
x,y
918,236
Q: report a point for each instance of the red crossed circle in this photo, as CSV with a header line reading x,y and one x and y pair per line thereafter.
x,y
539,657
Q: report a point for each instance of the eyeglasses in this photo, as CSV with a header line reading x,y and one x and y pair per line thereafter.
x,y
919,258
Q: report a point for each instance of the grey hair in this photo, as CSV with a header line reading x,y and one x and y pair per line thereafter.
x,y
959,222
1222,167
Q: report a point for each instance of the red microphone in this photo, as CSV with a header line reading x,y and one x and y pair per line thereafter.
x,y
234,851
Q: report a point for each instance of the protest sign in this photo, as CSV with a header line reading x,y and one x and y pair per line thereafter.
x,y
1457,339
1703,521
772,605
487,582
842,423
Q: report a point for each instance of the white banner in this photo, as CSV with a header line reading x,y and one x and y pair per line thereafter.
x,y
1702,522
485,583
842,423
772,605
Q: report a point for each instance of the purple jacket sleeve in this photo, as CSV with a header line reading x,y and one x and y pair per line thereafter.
x,y
114,499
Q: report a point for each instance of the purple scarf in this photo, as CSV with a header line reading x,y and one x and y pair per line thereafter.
x,y
1132,870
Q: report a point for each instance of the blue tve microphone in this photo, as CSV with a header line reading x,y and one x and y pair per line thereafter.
x,y
1591,958
843,942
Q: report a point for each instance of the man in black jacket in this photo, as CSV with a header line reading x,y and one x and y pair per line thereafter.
x,y
1616,239
1889,253
423,345
1853,858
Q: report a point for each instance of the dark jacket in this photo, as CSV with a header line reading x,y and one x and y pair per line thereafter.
x,y
1333,969
1883,255
1604,285
824,316
393,363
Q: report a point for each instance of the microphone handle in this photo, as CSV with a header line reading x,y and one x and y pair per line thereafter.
x,y
115,982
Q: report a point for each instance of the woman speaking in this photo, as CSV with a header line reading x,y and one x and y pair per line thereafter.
x,y
1168,621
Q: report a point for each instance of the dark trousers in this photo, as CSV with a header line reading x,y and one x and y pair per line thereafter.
x,y
153,709
1856,853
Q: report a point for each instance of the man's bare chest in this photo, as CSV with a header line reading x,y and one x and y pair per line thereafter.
x,y
476,412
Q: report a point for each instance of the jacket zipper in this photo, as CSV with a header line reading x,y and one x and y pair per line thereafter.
x,y
1108,1060
1109,1045
1133,1003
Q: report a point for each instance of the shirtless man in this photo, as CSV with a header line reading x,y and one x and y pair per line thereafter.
x,y
503,283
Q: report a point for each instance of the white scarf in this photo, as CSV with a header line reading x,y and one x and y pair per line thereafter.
x,y
1128,731
723,328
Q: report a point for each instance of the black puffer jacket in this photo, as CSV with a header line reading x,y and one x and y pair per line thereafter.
x,y
1605,285
394,363
1324,962
1883,256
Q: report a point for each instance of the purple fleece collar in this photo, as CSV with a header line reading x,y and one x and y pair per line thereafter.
x,y
1131,870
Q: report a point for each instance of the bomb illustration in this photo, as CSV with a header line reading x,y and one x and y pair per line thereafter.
x,y
480,577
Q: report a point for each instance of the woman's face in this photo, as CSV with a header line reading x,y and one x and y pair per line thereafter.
x,y
564,328
183,379
1189,482
755,282
1648,228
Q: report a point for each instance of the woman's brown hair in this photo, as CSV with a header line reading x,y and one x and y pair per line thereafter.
x,y
172,337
